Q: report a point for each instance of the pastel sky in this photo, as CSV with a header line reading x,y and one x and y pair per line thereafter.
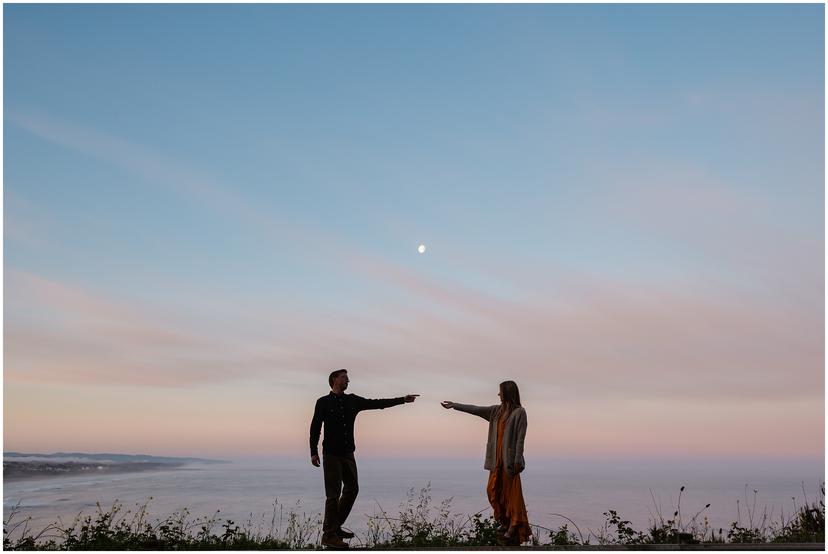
x,y
210,207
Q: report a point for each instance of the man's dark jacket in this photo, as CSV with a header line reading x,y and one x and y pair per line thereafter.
x,y
338,412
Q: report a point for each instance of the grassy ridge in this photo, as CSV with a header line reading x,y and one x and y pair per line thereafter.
x,y
417,524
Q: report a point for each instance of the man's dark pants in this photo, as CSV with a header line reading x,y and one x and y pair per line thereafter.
x,y
340,479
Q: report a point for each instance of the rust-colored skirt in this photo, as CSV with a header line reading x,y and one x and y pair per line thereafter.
x,y
506,494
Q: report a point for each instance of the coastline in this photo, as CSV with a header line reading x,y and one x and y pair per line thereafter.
x,y
19,471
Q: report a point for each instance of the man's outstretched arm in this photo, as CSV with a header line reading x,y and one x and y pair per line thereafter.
x,y
381,403
315,431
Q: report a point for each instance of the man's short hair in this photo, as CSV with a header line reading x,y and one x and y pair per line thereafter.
x,y
334,375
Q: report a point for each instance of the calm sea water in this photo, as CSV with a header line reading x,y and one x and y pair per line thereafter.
x,y
578,489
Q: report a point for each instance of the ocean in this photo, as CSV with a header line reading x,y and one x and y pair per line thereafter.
x,y
581,490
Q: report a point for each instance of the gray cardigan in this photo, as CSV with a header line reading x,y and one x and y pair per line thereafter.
x,y
513,436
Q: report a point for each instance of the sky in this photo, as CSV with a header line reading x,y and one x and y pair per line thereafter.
x,y
208,208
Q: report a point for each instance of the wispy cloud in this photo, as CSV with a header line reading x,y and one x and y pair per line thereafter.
x,y
756,242
23,222
281,228
60,333
170,175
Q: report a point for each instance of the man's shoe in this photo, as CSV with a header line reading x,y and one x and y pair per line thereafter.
x,y
343,534
334,542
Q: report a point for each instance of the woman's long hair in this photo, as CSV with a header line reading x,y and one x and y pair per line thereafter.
x,y
510,397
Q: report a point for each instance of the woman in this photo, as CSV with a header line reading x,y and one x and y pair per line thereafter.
x,y
504,459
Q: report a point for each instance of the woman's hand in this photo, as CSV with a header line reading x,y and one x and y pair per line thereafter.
x,y
447,404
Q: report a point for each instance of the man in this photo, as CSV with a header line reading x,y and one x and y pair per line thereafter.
x,y
338,411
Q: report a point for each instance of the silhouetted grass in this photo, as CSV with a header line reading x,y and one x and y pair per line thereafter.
x,y
116,529
417,524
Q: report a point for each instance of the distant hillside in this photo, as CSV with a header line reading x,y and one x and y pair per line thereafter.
x,y
118,458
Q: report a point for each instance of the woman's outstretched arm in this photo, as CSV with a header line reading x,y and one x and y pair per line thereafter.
x,y
482,411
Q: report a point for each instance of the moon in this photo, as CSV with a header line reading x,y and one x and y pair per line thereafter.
x,y
421,249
